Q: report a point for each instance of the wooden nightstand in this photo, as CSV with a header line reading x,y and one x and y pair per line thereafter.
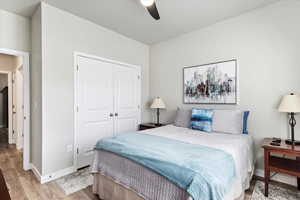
x,y
273,161
146,126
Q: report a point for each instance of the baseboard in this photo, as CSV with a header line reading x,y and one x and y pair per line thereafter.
x,y
56,175
283,178
50,177
35,172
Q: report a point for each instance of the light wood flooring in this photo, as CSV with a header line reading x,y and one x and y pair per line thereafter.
x,y
23,185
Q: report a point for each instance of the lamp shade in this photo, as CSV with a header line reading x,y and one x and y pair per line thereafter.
x,y
290,104
158,103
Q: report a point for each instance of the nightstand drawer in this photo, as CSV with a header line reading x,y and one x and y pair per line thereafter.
x,y
284,165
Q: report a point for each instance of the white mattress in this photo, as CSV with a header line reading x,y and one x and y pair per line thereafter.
x,y
239,146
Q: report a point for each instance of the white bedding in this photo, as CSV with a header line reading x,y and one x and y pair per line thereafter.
x,y
239,146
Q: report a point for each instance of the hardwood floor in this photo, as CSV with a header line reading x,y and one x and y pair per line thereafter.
x,y
23,185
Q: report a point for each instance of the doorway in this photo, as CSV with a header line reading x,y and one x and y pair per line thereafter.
x,y
14,102
4,134
11,101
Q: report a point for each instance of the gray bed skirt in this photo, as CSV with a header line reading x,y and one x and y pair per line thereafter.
x,y
117,178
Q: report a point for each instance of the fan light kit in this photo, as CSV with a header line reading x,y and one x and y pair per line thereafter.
x,y
147,3
150,5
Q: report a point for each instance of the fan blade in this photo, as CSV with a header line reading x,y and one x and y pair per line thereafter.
x,y
153,11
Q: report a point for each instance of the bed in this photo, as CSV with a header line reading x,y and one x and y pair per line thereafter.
x,y
117,177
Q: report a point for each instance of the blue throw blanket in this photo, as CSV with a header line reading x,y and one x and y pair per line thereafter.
x,y
205,173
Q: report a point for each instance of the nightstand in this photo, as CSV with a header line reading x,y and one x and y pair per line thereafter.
x,y
278,163
146,126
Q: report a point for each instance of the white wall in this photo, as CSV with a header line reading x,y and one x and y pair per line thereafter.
x,y
266,44
7,62
14,32
62,34
36,92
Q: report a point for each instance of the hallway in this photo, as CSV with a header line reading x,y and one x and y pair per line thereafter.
x,y
3,138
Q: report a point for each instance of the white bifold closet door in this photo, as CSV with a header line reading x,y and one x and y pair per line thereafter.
x,y
108,103
127,99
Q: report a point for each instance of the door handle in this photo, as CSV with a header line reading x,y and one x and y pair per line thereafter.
x,y
116,114
111,115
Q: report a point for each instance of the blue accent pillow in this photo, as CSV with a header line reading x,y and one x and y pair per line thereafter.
x,y
245,122
202,119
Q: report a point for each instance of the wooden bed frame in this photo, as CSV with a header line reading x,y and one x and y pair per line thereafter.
x,y
108,189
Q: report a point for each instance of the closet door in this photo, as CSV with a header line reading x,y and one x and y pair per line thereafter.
x,y
95,106
127,99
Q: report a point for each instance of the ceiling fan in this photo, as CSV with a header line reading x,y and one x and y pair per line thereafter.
x,y
150,5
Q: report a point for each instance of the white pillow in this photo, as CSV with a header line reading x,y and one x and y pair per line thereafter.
x,y
228,121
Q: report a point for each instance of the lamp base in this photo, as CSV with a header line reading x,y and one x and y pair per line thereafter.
x,y
289,141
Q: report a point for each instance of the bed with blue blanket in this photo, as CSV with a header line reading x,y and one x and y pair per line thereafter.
x,y
173,163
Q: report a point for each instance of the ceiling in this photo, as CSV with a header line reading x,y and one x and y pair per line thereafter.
x,y
129,18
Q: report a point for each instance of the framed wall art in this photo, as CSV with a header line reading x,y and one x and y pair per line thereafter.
x,y
214,83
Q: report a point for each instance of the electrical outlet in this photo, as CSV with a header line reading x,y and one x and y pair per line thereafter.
x,y
69,148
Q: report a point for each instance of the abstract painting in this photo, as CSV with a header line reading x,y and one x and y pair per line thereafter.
x,y
214,83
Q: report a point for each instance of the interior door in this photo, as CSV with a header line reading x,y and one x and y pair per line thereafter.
x,y
20,107
14,109
127,99
95,106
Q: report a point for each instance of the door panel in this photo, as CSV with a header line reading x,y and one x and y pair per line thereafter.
x,y
126,124
14,109
127,99
95,101
19,108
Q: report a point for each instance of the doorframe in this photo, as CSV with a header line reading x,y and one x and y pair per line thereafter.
x,y
26,102
76,55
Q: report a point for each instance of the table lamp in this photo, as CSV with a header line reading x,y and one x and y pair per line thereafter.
x,y
158,104
291,104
